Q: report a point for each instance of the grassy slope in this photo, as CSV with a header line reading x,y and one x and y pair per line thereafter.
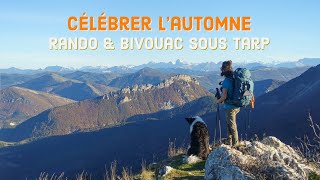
x,y
185,171
180,170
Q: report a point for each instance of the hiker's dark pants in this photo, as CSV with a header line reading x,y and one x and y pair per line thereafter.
x,y
231,117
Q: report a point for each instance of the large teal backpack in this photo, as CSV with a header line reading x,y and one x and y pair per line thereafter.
x,y
242,88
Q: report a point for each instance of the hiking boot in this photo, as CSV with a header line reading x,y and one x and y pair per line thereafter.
x,y
239,146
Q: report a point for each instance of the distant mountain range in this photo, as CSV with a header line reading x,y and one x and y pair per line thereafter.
x,y
84,85
281,74
90,85
7,80
18,104
70,88
109,110
91,77
178,64
144,76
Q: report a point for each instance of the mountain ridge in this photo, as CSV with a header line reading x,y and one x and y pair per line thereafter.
x,y
145,75
18,104
289,106
204,66
112,108
73,89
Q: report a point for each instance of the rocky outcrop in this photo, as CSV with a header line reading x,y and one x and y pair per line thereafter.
x,y
269,158
124,100
183,79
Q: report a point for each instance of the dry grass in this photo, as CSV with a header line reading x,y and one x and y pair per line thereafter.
x,y
46,176
127,174
112,175
310,148
173,150
145,173
83,176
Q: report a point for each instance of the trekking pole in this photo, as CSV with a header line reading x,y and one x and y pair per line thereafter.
x,y
218,109
249,120
217,123
243,114
215,132
218,96
246,116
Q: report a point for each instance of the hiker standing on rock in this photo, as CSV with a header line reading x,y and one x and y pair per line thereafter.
x,y
231,110
237,91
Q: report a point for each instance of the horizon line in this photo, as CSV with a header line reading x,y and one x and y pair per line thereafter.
x,y
275,62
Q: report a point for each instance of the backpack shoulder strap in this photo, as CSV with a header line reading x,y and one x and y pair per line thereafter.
x,y
231,78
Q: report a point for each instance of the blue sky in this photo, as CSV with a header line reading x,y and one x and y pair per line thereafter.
x,y
26,26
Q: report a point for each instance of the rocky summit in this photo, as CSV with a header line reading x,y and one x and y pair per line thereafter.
x,y
266,159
